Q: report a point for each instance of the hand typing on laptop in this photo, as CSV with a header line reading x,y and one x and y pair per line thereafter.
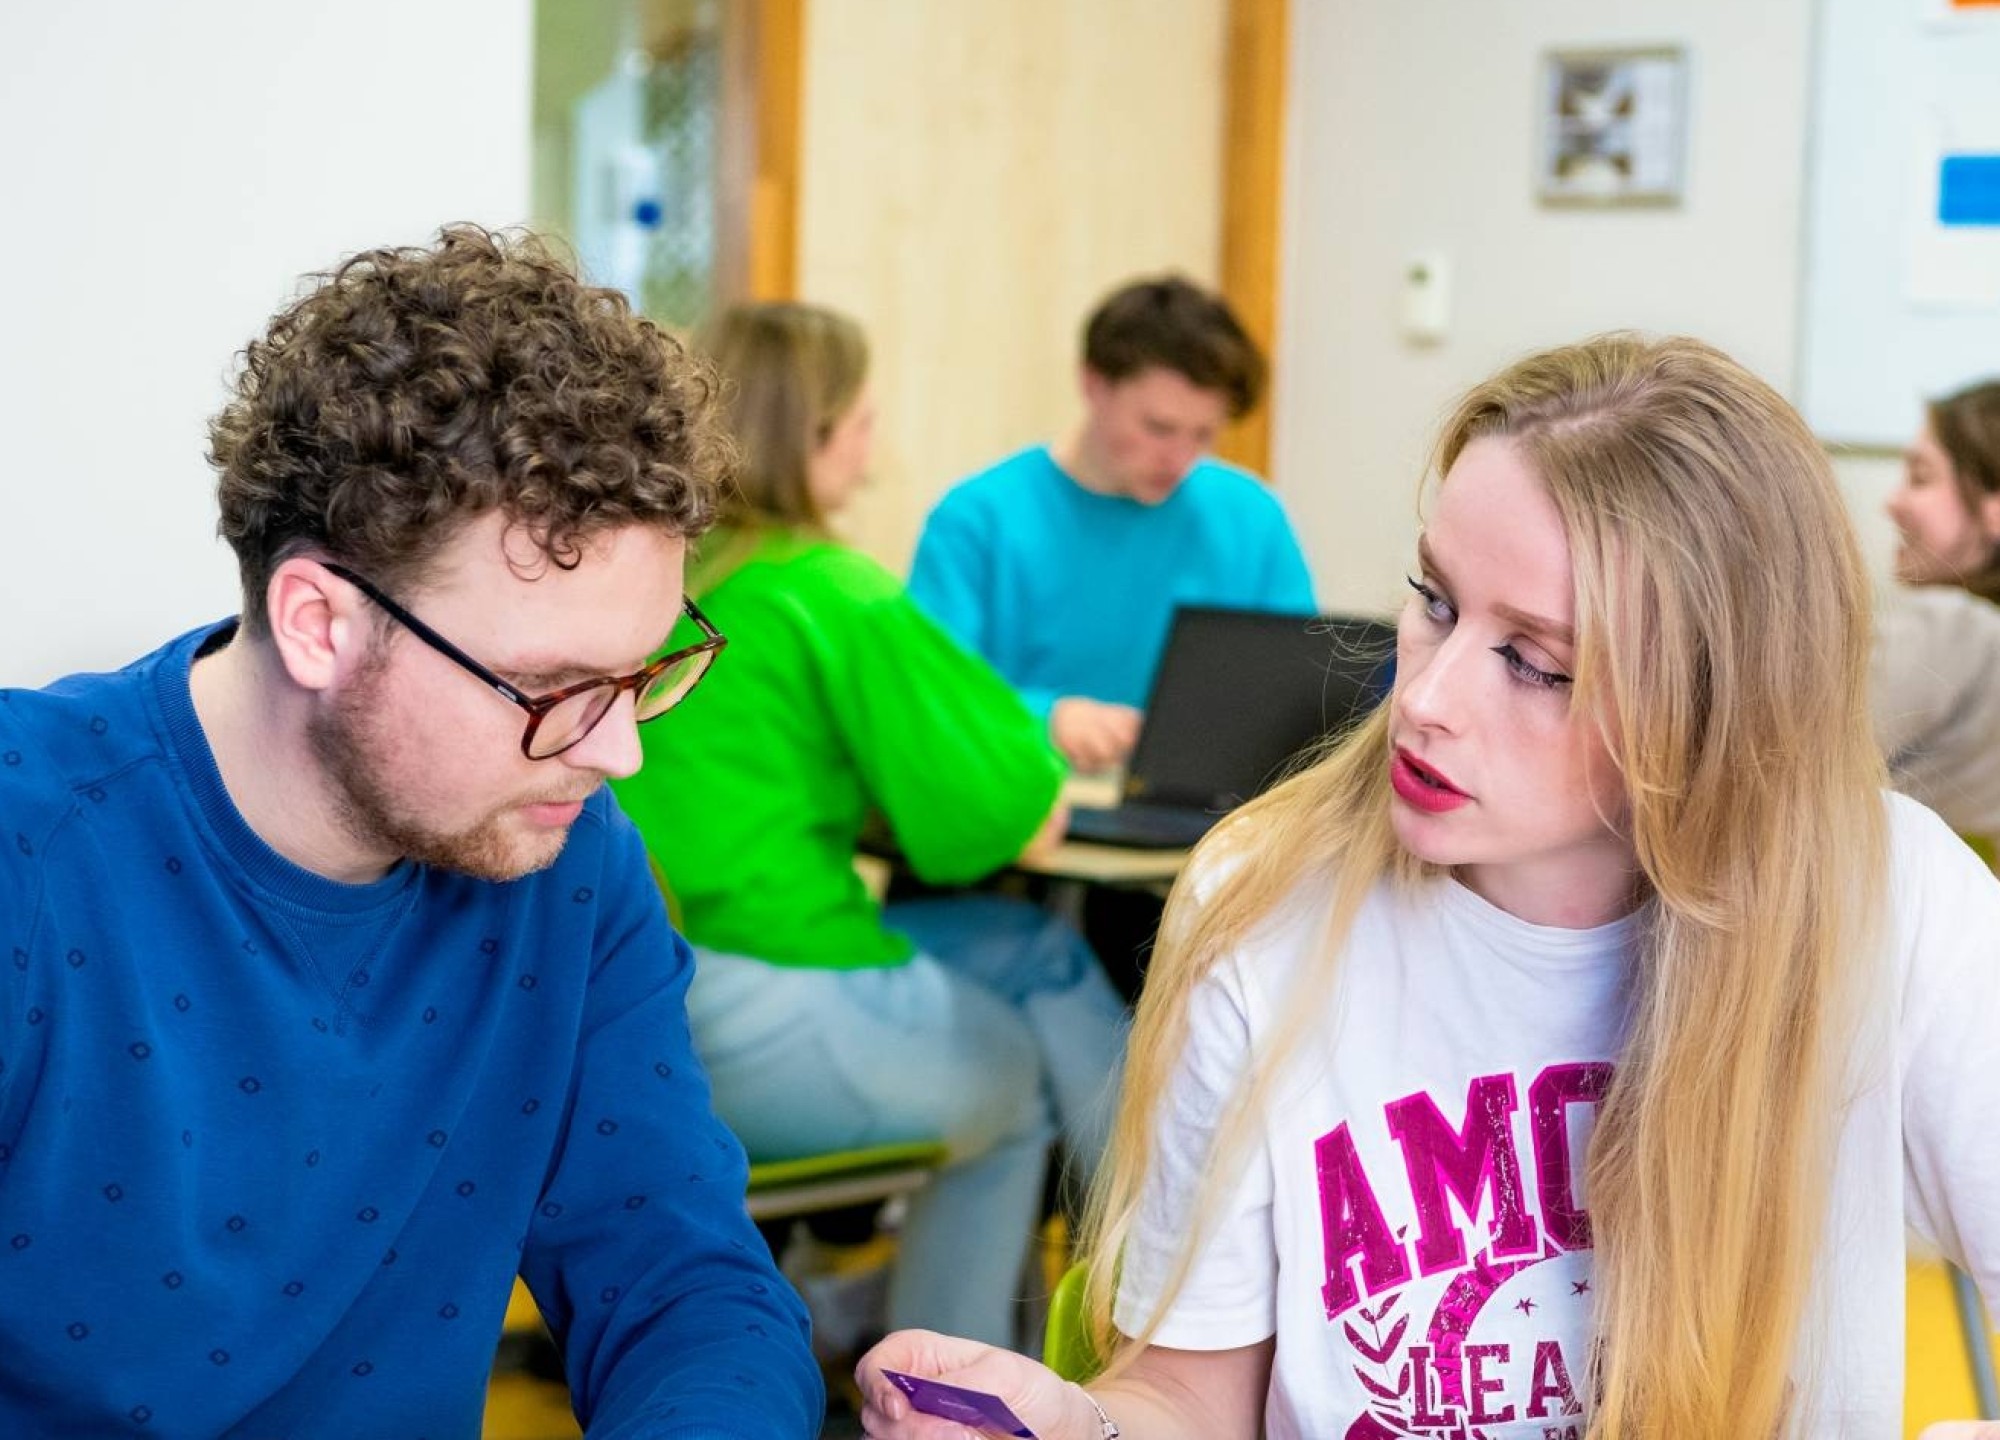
x,y
1092,734
1238,696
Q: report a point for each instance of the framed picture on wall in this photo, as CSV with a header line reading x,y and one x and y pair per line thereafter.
x,y
1614,126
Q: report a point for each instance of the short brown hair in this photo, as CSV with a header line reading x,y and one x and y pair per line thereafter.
x,y
414,389
1967,426
790,372
1170,323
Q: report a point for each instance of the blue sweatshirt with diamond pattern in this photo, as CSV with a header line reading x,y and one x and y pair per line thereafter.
x,y
272,1147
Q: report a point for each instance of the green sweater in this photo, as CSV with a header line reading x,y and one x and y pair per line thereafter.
x,y
837,696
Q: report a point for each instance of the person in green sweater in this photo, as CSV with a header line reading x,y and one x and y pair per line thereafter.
x,y
826,1020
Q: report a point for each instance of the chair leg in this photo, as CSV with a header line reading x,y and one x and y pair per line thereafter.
x,y
1978,1342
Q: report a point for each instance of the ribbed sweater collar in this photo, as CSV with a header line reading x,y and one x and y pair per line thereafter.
x,y
201,780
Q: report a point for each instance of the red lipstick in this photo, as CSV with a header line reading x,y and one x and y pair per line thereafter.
x,y
1421,787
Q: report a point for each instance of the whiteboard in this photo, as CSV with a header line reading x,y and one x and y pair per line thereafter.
x,y
1898,307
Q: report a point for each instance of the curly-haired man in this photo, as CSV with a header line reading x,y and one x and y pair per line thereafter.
x,y
340,991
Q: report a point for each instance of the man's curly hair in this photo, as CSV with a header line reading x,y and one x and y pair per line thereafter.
x,y
414,389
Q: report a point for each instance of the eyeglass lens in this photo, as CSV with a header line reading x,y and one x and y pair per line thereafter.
x,y
672,683
579,714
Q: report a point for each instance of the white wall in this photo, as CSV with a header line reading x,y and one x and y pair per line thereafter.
x,y
171,170
1413,127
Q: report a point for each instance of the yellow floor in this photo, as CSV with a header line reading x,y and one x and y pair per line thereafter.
x,y
1939,1381
520,1407
1939,1385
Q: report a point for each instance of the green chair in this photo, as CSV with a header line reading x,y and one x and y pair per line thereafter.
x,y
783,1189
780,1191
1066,1347
837,1197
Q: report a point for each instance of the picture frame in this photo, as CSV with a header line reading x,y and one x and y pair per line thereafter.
x,y
1614,126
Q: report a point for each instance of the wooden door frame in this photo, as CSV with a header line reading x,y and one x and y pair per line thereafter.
x,y
757,230
1253,165
763,43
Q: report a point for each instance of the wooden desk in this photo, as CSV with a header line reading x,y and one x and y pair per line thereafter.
x,y
1092,864
1074,860
1108,865
1065,876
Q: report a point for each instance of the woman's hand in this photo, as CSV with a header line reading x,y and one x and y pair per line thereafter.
x,y
1047,1404
1050,835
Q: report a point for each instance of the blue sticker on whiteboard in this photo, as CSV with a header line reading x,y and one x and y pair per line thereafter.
x,y
1969,190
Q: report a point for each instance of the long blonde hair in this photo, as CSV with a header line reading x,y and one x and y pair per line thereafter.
x,y
1722,637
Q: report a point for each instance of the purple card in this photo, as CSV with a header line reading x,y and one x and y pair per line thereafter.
x,y
952,1402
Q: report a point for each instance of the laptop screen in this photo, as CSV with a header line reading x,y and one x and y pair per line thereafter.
x,y
1240,692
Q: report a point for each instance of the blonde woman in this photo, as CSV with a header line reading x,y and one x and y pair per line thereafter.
x,y
1935,687
826,1020
1566,1053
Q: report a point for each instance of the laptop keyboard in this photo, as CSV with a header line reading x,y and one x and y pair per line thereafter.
x,y
1141,827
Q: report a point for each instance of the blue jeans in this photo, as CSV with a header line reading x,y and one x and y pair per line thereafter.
x,y
1000,1032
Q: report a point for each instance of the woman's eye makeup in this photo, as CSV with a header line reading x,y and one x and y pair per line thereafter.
x,y
1520,667
1435,605
1442,612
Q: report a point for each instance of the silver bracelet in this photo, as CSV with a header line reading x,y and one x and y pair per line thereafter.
x,y
1109,1430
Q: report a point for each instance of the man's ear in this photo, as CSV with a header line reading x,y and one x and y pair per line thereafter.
x,y
315,620
1094,385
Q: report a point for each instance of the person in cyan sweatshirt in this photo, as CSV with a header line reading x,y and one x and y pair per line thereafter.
x,y
338,989
1063,564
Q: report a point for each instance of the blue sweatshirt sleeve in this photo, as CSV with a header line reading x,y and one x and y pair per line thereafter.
x,y
1287,578
24,834
950,576
673,1320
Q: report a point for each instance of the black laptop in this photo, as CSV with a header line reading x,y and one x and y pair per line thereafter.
x,y
1239,693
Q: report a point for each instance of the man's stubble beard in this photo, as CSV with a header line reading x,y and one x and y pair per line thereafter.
x,y
348,741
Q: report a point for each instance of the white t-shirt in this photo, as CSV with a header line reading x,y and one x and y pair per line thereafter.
x,y
1409,1219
